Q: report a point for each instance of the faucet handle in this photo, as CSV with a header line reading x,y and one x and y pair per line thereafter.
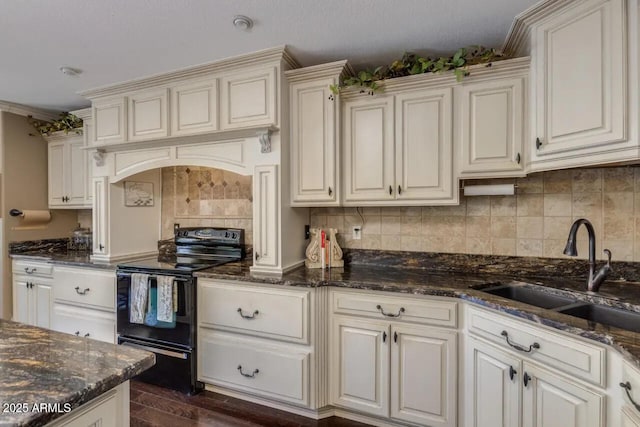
x,y
608,252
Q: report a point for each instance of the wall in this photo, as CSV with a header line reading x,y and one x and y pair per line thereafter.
x,y
534,222
24,186
204,197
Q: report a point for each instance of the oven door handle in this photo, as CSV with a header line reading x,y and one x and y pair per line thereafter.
x,y
169,353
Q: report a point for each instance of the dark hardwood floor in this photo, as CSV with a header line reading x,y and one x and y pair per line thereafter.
x,y
156,406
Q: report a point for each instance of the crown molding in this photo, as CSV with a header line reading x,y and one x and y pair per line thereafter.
x,y
62,136
84,113
477,72
25,110
278,55
517,41
331,69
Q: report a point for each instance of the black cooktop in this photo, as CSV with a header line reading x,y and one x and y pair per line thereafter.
x,y
170,265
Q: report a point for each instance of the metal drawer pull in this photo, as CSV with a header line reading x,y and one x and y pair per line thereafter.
x,y
157,350
77,333
379,307
30,270
86,335
627,388
81,292
512,373
518,347
244,316
252,375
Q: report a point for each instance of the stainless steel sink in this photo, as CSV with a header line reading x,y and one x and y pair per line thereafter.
x,y
623,319
529,295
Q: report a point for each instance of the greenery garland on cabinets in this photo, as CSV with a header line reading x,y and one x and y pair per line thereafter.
x,y
411,64
67,122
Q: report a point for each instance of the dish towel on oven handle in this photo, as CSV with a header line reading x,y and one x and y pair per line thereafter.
x,y
166,299
138,297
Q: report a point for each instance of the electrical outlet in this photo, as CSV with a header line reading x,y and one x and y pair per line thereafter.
x,y
356,232
176,225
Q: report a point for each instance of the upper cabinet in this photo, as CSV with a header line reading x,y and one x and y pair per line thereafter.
x,y
314,121
491,125
398,148
109,121
248,99
69,168
194,107
148,115
580,82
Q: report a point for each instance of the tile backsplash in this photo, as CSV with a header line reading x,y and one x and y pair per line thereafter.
x,y
205,197
534,222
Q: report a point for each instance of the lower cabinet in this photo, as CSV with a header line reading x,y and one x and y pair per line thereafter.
x,y
84,322
390,369
629,419
32,301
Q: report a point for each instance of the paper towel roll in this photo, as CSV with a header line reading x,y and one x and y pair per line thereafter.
x,y
30,218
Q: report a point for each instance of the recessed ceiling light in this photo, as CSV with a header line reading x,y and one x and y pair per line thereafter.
x,y
69,71
242,22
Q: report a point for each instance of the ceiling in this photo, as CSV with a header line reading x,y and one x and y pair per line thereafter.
x,y
117,40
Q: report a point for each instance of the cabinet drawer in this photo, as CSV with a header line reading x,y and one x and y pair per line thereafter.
x,y
567,354
99,412
90,288
425,311
631,375
274,313
32,268
82,322
278,372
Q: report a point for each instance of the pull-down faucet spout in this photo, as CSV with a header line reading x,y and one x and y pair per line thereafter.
x,y
594,280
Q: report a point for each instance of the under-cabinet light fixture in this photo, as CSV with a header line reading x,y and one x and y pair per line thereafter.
x,y
489,190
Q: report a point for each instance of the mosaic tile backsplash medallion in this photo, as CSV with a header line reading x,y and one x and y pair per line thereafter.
x,y
534,222
205,197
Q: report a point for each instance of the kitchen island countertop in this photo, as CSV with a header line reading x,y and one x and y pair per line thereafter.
x,y
43,367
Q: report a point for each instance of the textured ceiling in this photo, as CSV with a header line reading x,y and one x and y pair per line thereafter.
x,y
118,40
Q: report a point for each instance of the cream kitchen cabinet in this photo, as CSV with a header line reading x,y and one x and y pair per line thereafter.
x,y
398,148
394,369
490,124
109,120
629,389
32,294
100,221
520,375
248,98
630,419
266,202
314,121
69,167
148,114
194,107
579,65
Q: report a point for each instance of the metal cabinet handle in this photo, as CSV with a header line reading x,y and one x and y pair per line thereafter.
x,y
257,256
538,143
252,375
518,347
627,388
379,307
244,316
101,246
525,379
30,270
79,292
390,190
77,333
395,337
330,191
384,336
86,335
518,158
512,373
399,190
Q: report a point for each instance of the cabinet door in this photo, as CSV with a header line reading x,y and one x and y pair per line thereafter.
x,y
148,115
580,75
368,149
248,99
491,127
493,386
360,365
109,121
41,300
21,306
423,375
194,107
265,216
100,216
423,145
313,144
88,132
56,175
630,419
76,169
553,401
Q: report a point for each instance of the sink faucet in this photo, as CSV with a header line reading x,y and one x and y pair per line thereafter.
x,y
595,279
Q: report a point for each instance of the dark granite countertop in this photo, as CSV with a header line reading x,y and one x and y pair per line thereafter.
x,y
75,259
462,284
42,366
